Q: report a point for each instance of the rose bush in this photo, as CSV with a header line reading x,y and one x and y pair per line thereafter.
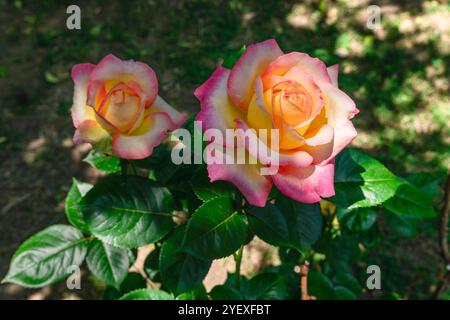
x,y
294,93
188,220
117,109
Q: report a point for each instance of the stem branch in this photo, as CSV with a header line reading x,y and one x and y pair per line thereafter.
x,y
303,270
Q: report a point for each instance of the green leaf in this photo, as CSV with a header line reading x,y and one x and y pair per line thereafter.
x,y
147,294
225,292
151,265
102,162
128,211
428,183
133,281
198,293
342,293
206,190
288,223
266,286
348,280
180,271
402,225
108,263
215,230
358,219
411,202
320,286
233,58
362,181
47,257
73,212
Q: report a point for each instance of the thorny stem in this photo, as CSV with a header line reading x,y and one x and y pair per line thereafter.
x,y
443,243
303,270
237,272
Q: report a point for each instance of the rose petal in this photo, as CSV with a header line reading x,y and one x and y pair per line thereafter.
x,y
217,111
340,108
333,72
80,76
246,177
89,131
306,185
140,145
160,105
261,151
313,66
323,136
112,68
250,65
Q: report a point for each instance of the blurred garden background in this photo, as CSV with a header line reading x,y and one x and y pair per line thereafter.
x,y
398,74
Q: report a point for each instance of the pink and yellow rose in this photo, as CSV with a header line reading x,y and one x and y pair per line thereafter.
x,y
116,108
294,93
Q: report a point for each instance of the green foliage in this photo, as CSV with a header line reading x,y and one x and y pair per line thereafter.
x,y
108,263
47,257
358,219
147,294
73,211
288,223
108,164
215,230
362,181
321,287
133,281
180,271
411,201
128,211
225,292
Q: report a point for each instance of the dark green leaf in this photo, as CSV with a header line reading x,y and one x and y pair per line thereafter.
x,y
225,292
266,286
320,286
215,230
206,190
151,265
342,293
198,293
133,281
358,219
73,212
128,211
180,271
362,181
402,225
347,280
411,202
428,183
288,223
47,257
102,162
147,294
108,263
